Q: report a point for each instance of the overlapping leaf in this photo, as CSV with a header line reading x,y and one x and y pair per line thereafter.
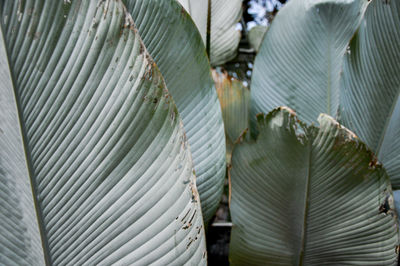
x,y
309,196
300,59
370,102
198,10
235,99
177,48
256,35
224,37
224,15
108,157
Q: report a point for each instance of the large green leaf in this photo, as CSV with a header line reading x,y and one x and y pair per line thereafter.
x,y
370,102
173,41
20,242
300,58
223,36
309,196
108,159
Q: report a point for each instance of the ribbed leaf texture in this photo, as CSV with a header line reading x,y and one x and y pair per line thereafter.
x,y
309,196
198,10
370,102
20,242
300,58
224,15
108,158
224,37
176,46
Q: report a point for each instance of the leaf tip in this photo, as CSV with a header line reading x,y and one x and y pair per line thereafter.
x,y
327,121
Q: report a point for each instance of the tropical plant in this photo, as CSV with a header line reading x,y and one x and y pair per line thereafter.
x,y
308,195
99,96
176,46
216,20
314,68
370,98
95,164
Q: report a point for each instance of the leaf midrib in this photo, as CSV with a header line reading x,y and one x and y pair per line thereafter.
x,y
27,151
306,200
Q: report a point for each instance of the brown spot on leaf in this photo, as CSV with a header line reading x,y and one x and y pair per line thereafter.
x,y
141,51
373,164
191,219
190,242
185,215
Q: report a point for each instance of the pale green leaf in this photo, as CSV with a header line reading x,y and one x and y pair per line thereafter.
x,y
198,10
173,41
309,196
370,102
300,58
109,162
256,35
224,15
20,242
224,37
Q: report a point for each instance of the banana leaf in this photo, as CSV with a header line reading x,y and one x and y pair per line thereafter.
x,y
307,195
176,46
96,168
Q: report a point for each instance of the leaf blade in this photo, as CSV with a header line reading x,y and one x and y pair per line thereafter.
x,y
182,59
17,204
235,99
299,61
108,149
224,37
371,86
311,198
